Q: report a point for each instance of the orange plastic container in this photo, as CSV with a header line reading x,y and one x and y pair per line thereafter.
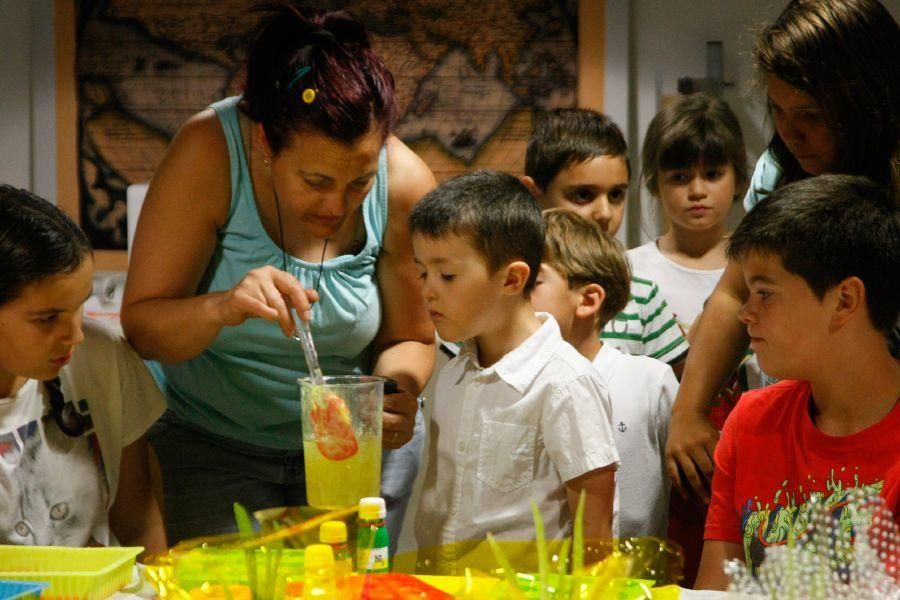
x,y
73,573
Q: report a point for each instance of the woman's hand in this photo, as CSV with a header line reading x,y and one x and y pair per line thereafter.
x,y
267,293
398,419
690,448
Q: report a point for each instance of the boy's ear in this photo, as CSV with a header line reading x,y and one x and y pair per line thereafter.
x,y
515,277
850,297
532,186
592,297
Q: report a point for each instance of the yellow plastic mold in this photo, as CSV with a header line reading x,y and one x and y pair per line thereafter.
x,y
73,573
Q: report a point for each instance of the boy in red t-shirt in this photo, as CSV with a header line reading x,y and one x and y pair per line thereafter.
x,y
821,258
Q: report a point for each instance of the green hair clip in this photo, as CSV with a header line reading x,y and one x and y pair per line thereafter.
x,y
298,75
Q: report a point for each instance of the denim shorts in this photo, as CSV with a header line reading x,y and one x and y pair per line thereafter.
x,y
204,474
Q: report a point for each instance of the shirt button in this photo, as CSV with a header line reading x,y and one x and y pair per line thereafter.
x,y
461,446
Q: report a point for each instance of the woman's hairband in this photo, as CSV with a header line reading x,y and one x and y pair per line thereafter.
x,y
309,94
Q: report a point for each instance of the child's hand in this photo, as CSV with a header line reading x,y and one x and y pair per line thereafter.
x,y
689,453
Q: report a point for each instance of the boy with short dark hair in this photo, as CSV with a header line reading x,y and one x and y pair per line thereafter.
x,y
577,159
584,282
820,257
518,415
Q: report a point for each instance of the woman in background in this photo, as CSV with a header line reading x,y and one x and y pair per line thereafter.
x,y
833,85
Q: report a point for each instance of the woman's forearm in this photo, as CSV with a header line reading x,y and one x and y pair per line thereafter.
x,y
171,330
409,362
718,342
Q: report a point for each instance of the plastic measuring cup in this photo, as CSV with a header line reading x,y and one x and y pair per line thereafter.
x,y
341,423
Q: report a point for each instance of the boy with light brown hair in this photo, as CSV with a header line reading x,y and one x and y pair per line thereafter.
x,y
584,281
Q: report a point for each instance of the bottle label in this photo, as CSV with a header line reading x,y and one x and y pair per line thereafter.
x,y
372,547
376,560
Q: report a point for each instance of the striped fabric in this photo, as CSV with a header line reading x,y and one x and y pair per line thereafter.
x,y
647,326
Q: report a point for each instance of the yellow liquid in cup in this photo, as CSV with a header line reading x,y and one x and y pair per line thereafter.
x,y
340,483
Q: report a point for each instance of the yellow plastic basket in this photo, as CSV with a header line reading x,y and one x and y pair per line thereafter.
x,y
73,573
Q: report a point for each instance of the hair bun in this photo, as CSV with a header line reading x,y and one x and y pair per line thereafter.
x,y
344,27
321,36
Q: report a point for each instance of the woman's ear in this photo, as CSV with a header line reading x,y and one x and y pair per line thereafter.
x,y
592,297
515,277
263,142
532,186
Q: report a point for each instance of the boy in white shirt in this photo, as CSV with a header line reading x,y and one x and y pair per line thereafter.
x,y
583,282
519,415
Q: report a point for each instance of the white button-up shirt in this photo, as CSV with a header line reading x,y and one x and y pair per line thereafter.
x,y
505,435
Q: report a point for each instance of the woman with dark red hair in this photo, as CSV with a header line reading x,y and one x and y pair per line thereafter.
x,y
292,196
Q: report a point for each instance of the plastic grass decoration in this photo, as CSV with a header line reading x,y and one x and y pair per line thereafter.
x,y
563,581
609,578
245,528
543,561
509,574
262,565
578,543
208,568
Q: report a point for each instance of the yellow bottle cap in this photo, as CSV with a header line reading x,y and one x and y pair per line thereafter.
x,y
372,509
333,532
318,557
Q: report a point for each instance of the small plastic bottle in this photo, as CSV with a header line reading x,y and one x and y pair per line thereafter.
x,y
334,533
319,581
372,541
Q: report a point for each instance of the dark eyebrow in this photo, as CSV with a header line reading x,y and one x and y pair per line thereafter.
x,y
53,310
363,177
813,106
760,279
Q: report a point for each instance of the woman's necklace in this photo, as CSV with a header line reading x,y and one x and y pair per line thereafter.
x,y
249,143
281,242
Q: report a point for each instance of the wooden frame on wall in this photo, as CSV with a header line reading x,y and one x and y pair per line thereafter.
x,y
591,26
67,187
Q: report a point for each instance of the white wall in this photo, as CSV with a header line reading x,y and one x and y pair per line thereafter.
x,y
27,100
15,93
669,40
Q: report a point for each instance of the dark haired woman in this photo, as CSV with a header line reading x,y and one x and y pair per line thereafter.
x,y
833,84
75,400
293,193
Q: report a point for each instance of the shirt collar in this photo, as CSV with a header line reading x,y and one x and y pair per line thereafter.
x,y
521,366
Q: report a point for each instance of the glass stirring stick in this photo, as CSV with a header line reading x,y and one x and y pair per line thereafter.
x,y
331,420
303,334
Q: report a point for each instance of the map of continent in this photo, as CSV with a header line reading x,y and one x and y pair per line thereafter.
x,y
470,76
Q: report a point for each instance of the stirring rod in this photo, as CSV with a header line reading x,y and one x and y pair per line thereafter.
x,y
304,335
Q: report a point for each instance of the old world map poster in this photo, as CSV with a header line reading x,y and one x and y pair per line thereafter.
x,y
470,76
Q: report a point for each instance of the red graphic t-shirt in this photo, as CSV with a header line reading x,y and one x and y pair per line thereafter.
x,y
771,460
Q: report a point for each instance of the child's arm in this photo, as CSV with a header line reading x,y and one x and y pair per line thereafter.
x,y
135,517
711,575
599,486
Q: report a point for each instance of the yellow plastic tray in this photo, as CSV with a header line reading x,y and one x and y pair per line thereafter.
x,y
73,573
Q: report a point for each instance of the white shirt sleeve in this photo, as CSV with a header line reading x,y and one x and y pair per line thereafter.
x,y
125,400
577,427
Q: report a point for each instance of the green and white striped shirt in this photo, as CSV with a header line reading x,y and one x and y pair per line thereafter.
x,y
647,326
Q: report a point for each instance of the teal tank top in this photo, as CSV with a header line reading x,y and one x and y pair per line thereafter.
x,y
244,385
